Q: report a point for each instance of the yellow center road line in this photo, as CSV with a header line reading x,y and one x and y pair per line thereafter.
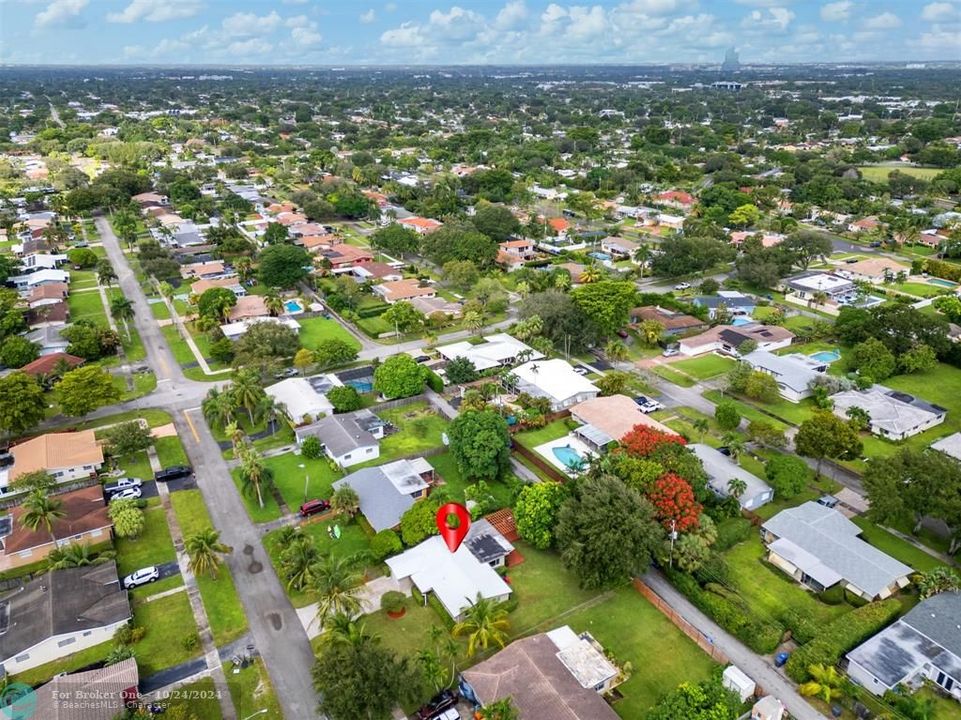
x,y
191,424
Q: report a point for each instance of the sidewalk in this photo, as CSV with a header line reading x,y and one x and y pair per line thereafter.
x,y
369,597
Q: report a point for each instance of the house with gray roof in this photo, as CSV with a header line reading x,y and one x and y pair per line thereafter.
x,y
820,548
794,374
388,491
925,644
950,445
735,303
893,414
347,439
721,470
58,613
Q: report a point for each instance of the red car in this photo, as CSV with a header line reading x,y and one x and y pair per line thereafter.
x,y
312,507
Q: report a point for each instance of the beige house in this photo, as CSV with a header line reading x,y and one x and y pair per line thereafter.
x,y
398,290
84,520
611,417
66,456
876,270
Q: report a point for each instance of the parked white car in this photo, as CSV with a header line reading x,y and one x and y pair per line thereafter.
x,y
130,493
683,286
141,577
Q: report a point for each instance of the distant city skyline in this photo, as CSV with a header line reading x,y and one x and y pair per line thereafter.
x,y
322,32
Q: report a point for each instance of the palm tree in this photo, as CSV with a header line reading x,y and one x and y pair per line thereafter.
x,y
247,391
616,351
473,321
236,435
297,562
819,298
77,555
206,323
204,550
737,487
267,410
345,501
273,302
41,510
219,407
503,709
244,267
701,426
105,272
591,274
651,331
254,475
735,445
485,622
826,683
336,583
122,309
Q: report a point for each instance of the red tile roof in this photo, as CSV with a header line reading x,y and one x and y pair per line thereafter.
x,y
46,364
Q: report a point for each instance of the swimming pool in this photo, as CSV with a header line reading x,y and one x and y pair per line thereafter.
x,y
567,455
361,386
942,283
741,320
599,256
827,356
293,307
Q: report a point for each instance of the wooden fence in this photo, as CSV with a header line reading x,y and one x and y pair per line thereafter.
x,y
540,463
683,625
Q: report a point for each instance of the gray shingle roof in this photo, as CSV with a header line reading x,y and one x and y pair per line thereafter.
x,y
720,470
832,540
341,434
794,371
384,491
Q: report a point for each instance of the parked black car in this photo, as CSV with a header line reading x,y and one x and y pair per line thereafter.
x,y
438,704
172,473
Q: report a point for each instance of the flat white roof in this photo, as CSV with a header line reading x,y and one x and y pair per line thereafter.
x,y
300,398
822,281
455,578
236,329
554,378
495,351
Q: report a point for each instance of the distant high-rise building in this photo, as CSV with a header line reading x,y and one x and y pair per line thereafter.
x,y
731,61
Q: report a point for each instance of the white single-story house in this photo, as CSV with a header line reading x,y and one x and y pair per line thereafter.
x,y
59,613
893,414
806,285
304,397
455,578
234,330
348,439
819,547
795,373
38,278
496,351
721,469
925,644
556,380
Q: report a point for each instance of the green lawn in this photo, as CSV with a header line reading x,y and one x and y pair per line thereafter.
x,y
551,431
198,699
87,306
768,591
706,366
135,465
922,290
153,547
252,692
672,376
40,674
82,279
170,451
270,510
634,631
879,173
290,478
747,411
446,466
419,427
315,330
178,346
895,546
353,540
168,621
224,611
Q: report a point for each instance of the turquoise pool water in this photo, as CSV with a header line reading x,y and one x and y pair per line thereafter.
x,y
599,255
942,283
741,320
294,306
361,386
567,455
827,356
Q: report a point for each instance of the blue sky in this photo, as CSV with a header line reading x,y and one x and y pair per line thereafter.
x,y
325,32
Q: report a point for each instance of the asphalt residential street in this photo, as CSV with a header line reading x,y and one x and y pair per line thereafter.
x,y
277,633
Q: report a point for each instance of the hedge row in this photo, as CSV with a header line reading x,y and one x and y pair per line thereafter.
x,y
372,310
937,268
841,635
729,613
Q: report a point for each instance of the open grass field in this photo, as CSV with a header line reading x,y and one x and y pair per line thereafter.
x,y
40,674
197,699
445,465
419,427
672,376
87,306
551,431
170,451
706,366
270,510
921,290
224,611
82,279
747,411
879,173
895,546
153,547
168,621
315,330
253,693
291,479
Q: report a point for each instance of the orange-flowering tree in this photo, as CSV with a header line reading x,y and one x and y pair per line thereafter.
x,y
673,500
642,440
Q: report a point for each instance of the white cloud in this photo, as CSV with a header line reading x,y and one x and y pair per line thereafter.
x,y
156,11
513,14
306,36
368,17
61,13
941,38
884,21
938,11
248,24
762,3
248,48
407,35
836,11
770,20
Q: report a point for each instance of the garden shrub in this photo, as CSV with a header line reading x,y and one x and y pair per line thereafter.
x,y
435,382
393,601
385,543
834,595
714,569
311,448
802,626
441,612
732,531
191,641
840,635
854,600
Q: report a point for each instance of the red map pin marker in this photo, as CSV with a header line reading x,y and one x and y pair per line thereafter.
x,y
453,536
